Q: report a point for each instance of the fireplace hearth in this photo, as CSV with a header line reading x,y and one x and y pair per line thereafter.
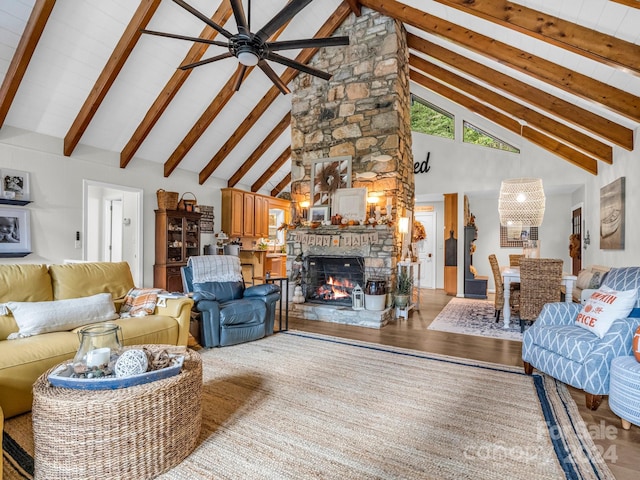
x,y
331,279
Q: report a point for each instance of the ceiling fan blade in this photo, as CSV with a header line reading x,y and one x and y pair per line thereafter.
x,y
282,17
203,17
206,60
298,66
240,71
308,43
241,18
277,81
184,37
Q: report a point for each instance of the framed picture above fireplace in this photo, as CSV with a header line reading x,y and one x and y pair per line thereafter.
x,y
328,175
350,203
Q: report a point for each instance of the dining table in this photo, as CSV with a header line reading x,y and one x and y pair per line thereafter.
x,y
512,275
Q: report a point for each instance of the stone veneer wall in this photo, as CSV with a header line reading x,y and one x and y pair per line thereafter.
x,y
363,111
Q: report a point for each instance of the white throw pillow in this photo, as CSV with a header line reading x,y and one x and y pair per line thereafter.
x,y
34,318
603,308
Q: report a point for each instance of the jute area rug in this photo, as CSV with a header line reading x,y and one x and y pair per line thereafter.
x,y
474,317
306,406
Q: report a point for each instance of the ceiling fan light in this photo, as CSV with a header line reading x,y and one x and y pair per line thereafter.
x,y
248,58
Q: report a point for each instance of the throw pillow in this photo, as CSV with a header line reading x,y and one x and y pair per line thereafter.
x,y
584,279
140,302
603,308
34,318
596,279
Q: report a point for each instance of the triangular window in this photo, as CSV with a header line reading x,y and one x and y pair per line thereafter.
x,y
429,119
473,134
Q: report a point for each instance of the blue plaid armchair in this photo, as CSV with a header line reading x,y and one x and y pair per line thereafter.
x,y
556,346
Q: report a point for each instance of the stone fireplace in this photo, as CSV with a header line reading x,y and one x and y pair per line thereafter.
x,y
331,279
362,113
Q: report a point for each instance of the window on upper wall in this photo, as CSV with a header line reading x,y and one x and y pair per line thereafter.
x,y
473,134
429,119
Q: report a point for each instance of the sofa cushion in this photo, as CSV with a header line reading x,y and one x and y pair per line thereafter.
x,y
603,308
568,341
76,280
25,283
34,318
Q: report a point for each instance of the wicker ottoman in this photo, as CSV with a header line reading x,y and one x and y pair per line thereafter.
x,y
135,432
624,390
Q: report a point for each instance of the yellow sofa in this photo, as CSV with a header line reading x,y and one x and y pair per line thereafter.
x,y
23,360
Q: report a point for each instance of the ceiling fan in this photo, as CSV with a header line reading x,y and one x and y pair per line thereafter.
x,y
253,48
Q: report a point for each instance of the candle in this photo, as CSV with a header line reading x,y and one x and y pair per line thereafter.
x,y
99,356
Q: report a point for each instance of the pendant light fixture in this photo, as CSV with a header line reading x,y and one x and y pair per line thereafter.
x,y
521,202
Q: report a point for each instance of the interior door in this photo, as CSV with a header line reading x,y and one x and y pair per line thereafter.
x,y
576,250
426,250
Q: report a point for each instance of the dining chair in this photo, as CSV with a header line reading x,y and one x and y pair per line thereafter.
x,y
498,302
514,259
540,281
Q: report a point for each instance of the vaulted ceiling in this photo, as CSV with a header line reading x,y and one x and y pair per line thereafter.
x,y
563,74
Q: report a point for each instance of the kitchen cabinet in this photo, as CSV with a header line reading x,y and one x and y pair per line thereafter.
x,y
177,239
246,214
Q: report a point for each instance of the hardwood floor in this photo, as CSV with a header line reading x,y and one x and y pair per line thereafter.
x,y
621,448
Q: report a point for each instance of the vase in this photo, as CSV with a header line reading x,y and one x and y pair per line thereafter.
x,y
375,302
100,346
402,301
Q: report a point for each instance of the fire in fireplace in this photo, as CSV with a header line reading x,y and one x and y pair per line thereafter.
x,y
331,279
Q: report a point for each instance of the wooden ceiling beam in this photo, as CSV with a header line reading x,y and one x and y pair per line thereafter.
x,y
559,76
273,168
572,37
160,104
532,117
283,183
335,20
573,156
628,3
354,5
260,150
114,65
22,56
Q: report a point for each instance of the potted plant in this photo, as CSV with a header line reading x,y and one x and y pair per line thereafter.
x,y
404,284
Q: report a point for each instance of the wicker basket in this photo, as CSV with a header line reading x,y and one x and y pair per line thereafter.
x,y
134,432
187,203
167,200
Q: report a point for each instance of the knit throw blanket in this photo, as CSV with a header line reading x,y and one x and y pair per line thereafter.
x,y
215,268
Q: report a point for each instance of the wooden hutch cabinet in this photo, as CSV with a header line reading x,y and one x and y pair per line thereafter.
x,y
177,239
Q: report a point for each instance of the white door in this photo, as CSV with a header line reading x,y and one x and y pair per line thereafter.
x,y
113,231
426,250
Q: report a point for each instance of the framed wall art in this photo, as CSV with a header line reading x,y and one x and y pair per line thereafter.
x,y
15,232
510,237
319,214
612,215
14,185
350,203
327,176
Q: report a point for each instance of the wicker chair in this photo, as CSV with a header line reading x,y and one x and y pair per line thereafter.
x,y
514,259
498,302
540,281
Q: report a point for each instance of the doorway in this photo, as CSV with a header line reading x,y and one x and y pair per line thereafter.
x,y
575,251
426,249
112,226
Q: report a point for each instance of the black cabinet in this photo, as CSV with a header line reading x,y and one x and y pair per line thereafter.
x,y
475,286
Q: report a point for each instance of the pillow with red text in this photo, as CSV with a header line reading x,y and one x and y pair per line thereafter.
x,y
603,308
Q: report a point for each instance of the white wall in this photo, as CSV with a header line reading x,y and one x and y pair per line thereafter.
x,y
456,167
56,191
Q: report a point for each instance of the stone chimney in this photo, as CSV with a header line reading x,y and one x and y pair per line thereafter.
x,y
363,111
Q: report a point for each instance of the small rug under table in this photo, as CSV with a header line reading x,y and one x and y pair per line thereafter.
x,y
304,406
474,317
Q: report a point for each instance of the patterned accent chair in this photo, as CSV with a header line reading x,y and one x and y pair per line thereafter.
x,y
555,345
